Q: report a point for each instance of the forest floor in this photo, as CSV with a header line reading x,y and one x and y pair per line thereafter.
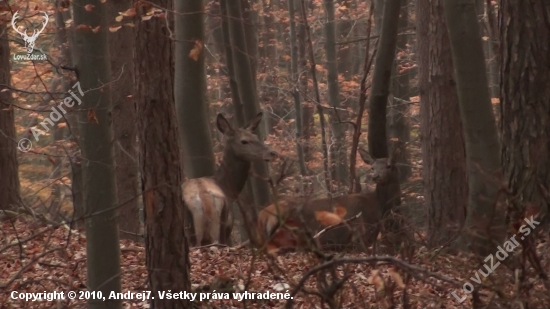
x,y
39,258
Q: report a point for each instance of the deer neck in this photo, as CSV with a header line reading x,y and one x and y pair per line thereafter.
x,y
232,174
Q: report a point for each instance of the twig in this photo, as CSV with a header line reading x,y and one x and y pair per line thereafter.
x,y
331,227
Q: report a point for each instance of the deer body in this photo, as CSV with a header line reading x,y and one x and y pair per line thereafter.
x,y
292,223
209,199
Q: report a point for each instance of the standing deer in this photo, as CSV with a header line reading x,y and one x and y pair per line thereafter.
x,y
209,199
292,223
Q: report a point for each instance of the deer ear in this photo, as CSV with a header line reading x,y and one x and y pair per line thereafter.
x,y
395,155
253,124
223,125
367,158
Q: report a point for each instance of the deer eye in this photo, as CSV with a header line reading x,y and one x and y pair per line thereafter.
x,y
244,142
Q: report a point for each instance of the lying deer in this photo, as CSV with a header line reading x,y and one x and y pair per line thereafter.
x,y
292,223
209,199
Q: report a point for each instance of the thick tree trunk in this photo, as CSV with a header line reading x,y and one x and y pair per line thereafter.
x,y
525,105
480,134
443,152
190,88
96,141
9,181
167,250
121,47
338,152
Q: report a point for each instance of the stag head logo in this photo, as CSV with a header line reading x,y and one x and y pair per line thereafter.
x,y
29,39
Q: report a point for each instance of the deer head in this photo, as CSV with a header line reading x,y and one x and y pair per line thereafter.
x,y
29,40
243,142
383,169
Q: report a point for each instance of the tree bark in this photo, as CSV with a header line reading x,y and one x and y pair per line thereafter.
x,y
398,118
443,152
190,90
295,92
121,47
378,145
338,153
247,93
166,245
9,181
480,134
525,105
96,141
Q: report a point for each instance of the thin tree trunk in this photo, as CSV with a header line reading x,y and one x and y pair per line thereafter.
x,y
307,108
98,173
399,110
313,71
190,90
121,47
9,181
295,92
338,151
482,144
381,80
167,251
443,152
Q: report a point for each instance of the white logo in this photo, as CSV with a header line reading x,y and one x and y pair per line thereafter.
x,y
29,40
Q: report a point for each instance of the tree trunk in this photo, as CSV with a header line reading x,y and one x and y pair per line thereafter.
x,y
247,93
443,152
399,110
96,141
167,252
378,145
480,134
190,87
295,92
9,181
307,108
525,105
338,152
121,47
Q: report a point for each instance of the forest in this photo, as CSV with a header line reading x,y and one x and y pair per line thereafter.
x,y
388,154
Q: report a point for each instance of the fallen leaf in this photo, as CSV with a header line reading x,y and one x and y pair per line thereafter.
x,y
89,7
196,51
91,116
131,12
114,28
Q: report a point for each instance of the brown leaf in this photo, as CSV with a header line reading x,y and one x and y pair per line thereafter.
x,y
129,12
51,159
196,51
114,28
91,116
327,218
82,27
